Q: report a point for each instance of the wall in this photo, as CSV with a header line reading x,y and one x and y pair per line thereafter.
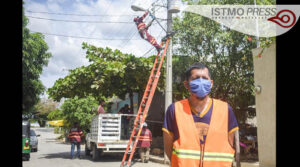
x,y
156,114
118,103
156,111
265,76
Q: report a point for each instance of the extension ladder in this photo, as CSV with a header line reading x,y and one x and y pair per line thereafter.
x,y
145,103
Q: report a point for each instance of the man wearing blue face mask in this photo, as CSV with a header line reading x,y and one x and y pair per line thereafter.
x,y
198,131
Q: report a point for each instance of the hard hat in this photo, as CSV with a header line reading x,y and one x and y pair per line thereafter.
x,y
145,124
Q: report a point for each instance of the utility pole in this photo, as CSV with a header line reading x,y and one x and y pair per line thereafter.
x,y
168,89
168,93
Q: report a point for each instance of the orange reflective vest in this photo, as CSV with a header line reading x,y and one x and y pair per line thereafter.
x,y
141,26
145,138
75,134
187,150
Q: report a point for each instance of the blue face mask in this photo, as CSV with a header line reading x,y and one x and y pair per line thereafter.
x,y
200,87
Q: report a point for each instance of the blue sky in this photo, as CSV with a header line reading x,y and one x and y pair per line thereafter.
x,y
67,52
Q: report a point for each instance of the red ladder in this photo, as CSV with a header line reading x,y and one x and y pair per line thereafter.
x,y
145,103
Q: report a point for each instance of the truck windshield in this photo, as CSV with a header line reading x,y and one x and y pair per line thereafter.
x,y
25,131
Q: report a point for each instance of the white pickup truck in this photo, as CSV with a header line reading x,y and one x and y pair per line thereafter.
x,y
107,134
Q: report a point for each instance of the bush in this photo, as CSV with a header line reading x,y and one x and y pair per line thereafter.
x,y
79,110
56,130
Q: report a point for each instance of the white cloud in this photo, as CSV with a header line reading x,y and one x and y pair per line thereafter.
x,y
67,52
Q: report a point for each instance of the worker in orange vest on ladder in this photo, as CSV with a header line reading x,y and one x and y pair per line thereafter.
x,y
198,131
144,143
143,30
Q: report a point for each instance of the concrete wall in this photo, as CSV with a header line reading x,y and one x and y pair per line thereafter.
x,y
155,117
265,76
119,103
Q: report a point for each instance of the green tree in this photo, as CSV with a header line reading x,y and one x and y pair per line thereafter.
x,y
42,109
79,110
34,58
55,115
110,73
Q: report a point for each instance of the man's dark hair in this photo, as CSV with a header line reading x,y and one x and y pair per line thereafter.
x,y
126,105
197,65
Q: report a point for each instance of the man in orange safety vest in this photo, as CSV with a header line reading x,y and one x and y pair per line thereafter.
x,y
198,131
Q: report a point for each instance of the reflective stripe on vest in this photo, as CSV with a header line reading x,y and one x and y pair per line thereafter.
x,y
153,41
76,133
210,156
182,153
144,138
141,25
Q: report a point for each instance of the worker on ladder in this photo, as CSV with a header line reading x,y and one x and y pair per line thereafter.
x,y
143,30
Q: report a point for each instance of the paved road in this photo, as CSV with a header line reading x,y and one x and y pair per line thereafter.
x,y
52,153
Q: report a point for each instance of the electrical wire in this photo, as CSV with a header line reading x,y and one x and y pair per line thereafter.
x,y
82,21
122,28
144,55
133,31
82,37
103,15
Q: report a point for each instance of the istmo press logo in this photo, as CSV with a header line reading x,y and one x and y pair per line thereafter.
x,y
256,20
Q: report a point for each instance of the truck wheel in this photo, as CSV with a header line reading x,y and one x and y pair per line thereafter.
x,y
87,151
95,153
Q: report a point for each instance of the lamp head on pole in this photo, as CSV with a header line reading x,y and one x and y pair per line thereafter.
x,y
141,5
174,6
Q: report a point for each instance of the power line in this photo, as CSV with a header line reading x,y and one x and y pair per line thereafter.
x,y
147,52
119,28
131,33
124,22
73,14
83,37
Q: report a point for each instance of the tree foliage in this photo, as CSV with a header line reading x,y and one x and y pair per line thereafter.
x,y
111,72
79,110
42,109
34,58
55,115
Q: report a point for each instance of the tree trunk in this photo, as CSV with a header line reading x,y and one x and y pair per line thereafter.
x,y
131,101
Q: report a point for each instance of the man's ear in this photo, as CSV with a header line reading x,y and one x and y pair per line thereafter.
x,y
212,83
